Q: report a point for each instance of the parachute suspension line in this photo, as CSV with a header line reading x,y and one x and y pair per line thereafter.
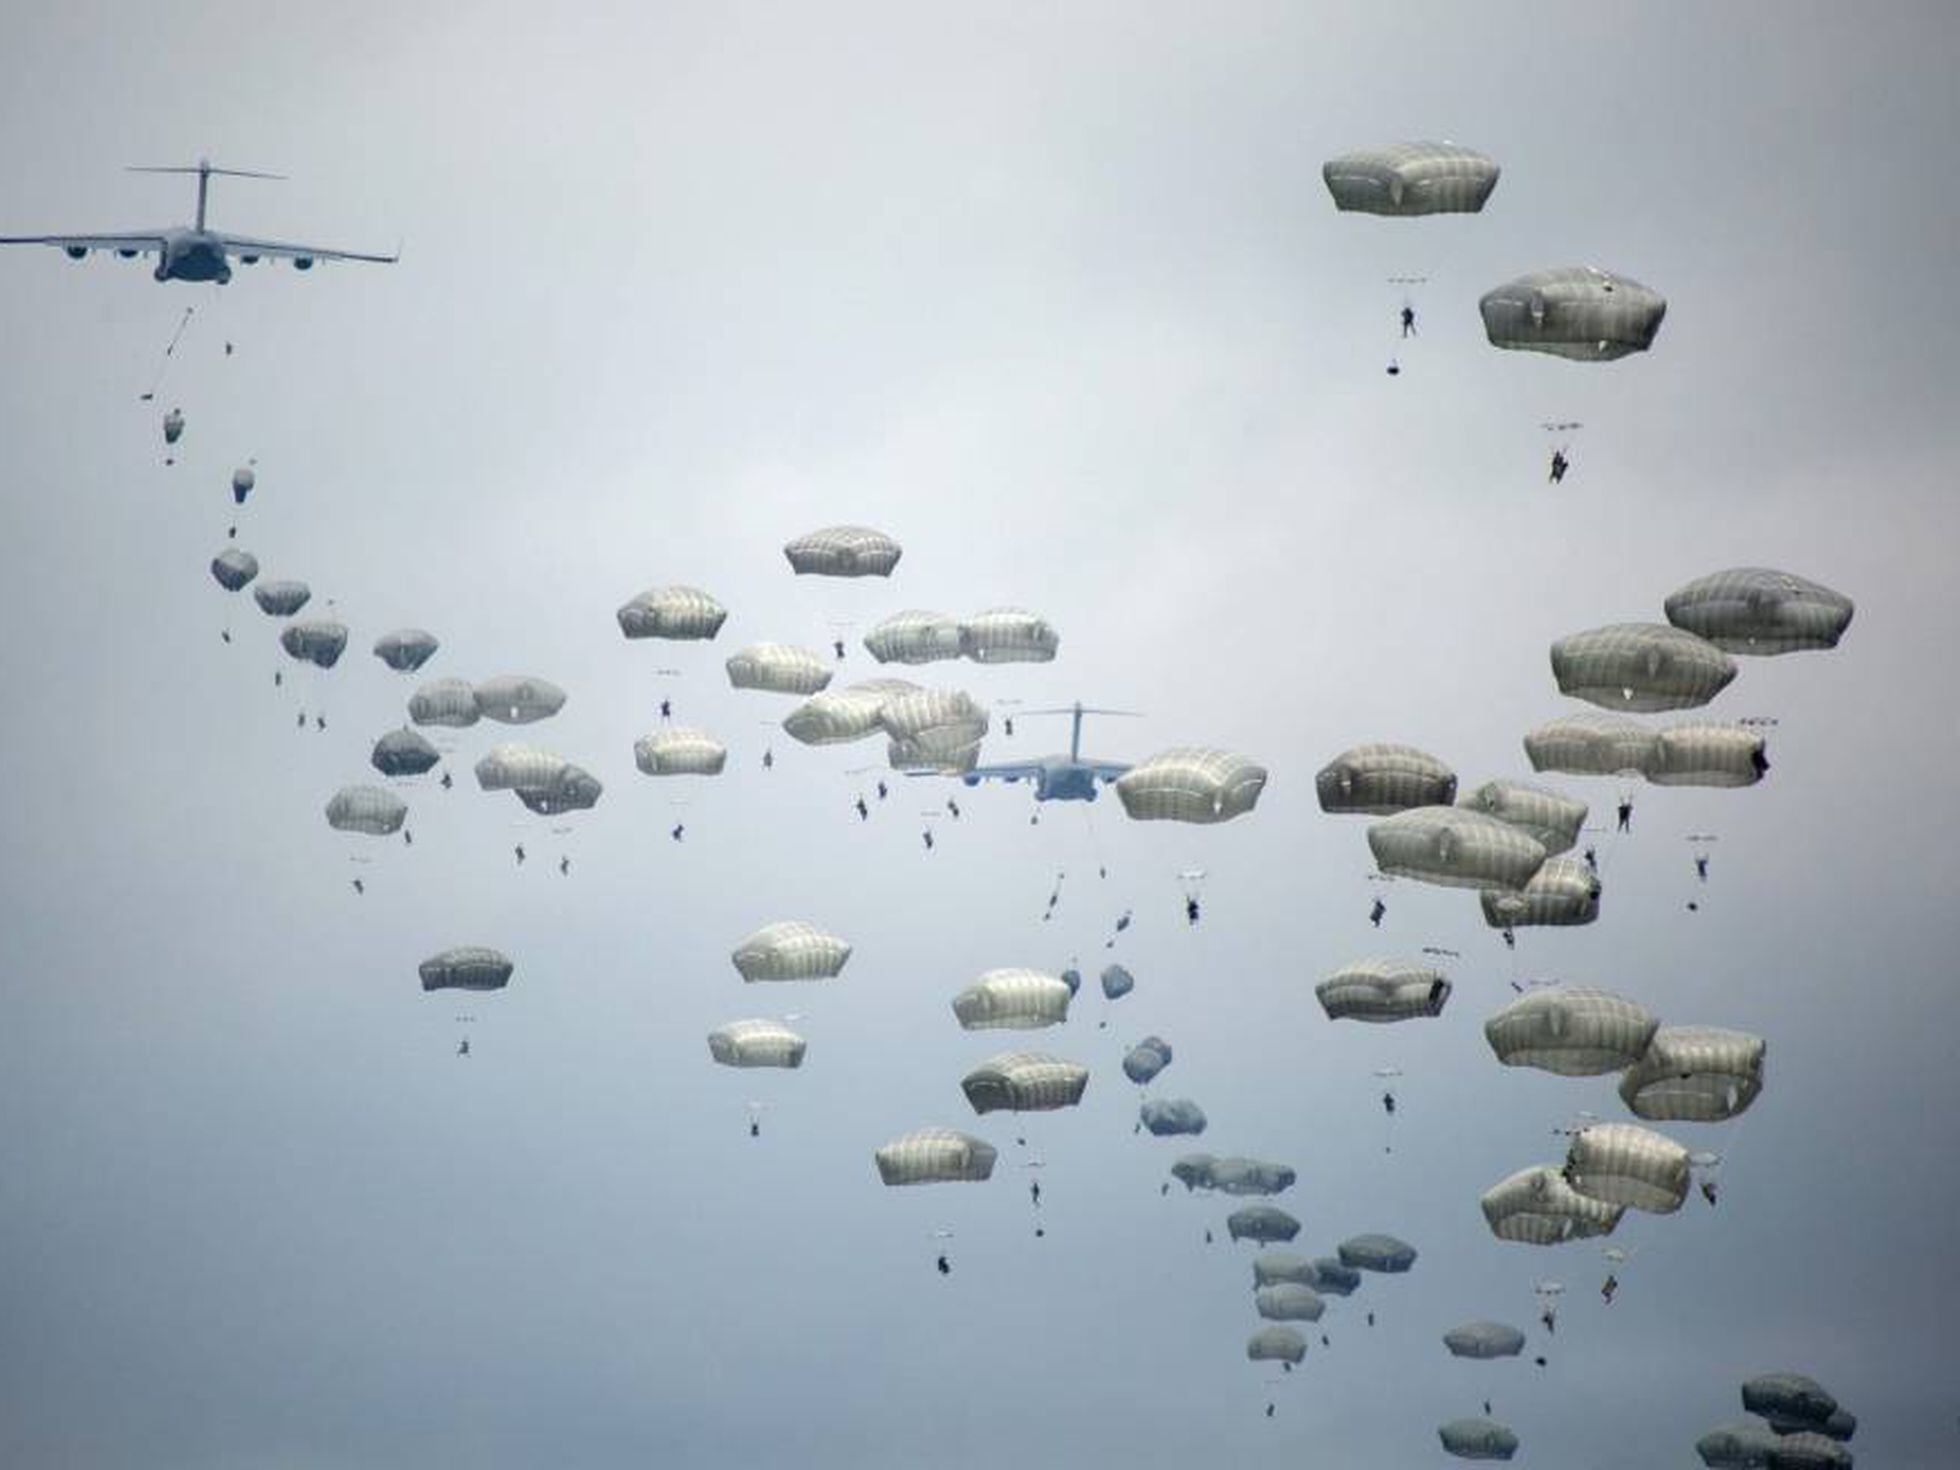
x,y
163,363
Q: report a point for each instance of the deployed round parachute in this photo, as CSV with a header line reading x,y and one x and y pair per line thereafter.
x,y
518,699
1382,1253
1193,1171
1791,1402
679,751
1640,667
1756,610
935,1156
316,641
1274,1268
1334,1277
1574,1031
1535,1206
1072,978
406,649
1411,179
1484,1340
1578,312
759,1043
281,599
513,765
672,612
836,716
1288,1301
1624,1164
1117,982
1594,745
1698,753
843,551
1807,1451
403,753
467,967
234,568
1454,848
1551,820
1241,1176
1263,1223
1381,780
1008,635
1743,1445
778,668
242,480
1024,1082
1276,1345
1168,1117
1563,892
1383,991
575,790
1696,1074
448,702
915,636
933,730
1012,1000
790,950
1478,1439
173,426
1142,1062
371,810
1191,783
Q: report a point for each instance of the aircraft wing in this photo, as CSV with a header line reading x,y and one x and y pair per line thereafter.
x,y
1012,771
1108,770
140,242
245,245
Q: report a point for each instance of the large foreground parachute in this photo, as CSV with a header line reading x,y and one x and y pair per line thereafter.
x,y
1024,1082
672,612
778,668
1578,312
1454,848
935,1156
1382,991
1552,820
790,950
1380,780
1191,783
758,1043
1695,1074
1640,667
1700,753
1484,1340
1757,610
518,699
844,551
1572,1030
1411,179
467,967
1012,1000
1564,891
406,649
1535,1206
679,751
372,810
1625,1164
1478,1439
316,641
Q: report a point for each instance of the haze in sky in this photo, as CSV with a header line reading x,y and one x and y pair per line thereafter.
x,y
1056,296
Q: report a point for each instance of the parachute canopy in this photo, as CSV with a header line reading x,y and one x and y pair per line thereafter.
x,y
679,751
1535,1206
836,716
1756,610
1593,745
933,729
1696,1074
448,702
1168,1117
778,668
1012,1000
1271,1268
1454,848
467,967
406,649
1383,991
672,612
242,480
234,568
1411,179
790,950
1191,783
1024,1082
1117,982
1334,1277
575,790
935,1156
1789,1401
1640,667
518,699
1699,753
843,551
759,1043
1484,1340
1288,1301
1142,1062
173,426
281,599
1008,635
372,810
1579,312
1552,820
1574,1031
1380,780
403,753
1276,1345
1383,1253
1263,1223
1563,892
1625,1164
316,641
915,636
1478,1439
1743,1445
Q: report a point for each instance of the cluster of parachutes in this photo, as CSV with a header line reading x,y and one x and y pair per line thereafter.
x,y
1800,1427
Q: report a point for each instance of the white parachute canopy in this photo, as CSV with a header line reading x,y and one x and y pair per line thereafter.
x,y
1191,783
935,1156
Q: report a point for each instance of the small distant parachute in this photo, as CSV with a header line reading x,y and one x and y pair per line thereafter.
x,y
935,1156
518,699
1639,668
1698,1074
283,598
1535,1206
1383,1253
915,636
370,810
467,967
1552,820
446,702
679,751
1578,312
1454,848
1484,1340
1169,1117
1334,1277
1142,1062
1562,893
843,551
1013,1000
1009,635
1383,991
1276,1344
406,649
1117,982
403,753
1288,1301
778,668
1756,610
1574,1031
242,480
1191,784
233,568
757,1043
316,641
790,950
1263,1223
1478,1439
1072,978
672,612
1381,780
1024,1082
173,426
1411,179
1274,1268
1625,1164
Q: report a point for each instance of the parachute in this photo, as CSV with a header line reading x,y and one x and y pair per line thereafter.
x,y
575,789
1383,991
513,765
915,637
1275,1268
234,568
1743,1445
1166,1118
1563,892
1117,982
448,702
1574,1031
1142,1062
790,950
1755,610
672,612
1577,312
1640,667
1484,1340
1624,1164
467,967
315,642
1535,1206
1381,780
242,480
1551,820
1276,1344
281,599
403,753
1791,1402
778,668
1335,1277
406,649
1024,1082
1411,179
935,1156
1072,978
1288,1301
933,729
1807,1451
1238,1176
1382,1253
843,551
679,751
1012,1000
1697,1074
371,810
1593,745
1478,1439
1191,784
173,426
1008,635
1697,753
836,716
760,1043
518,699
1263,1223
1454,849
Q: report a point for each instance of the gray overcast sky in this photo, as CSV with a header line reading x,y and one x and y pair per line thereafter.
x,y
1054,294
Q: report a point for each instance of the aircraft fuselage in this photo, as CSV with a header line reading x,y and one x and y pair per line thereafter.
x,y
1058,779
193,255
